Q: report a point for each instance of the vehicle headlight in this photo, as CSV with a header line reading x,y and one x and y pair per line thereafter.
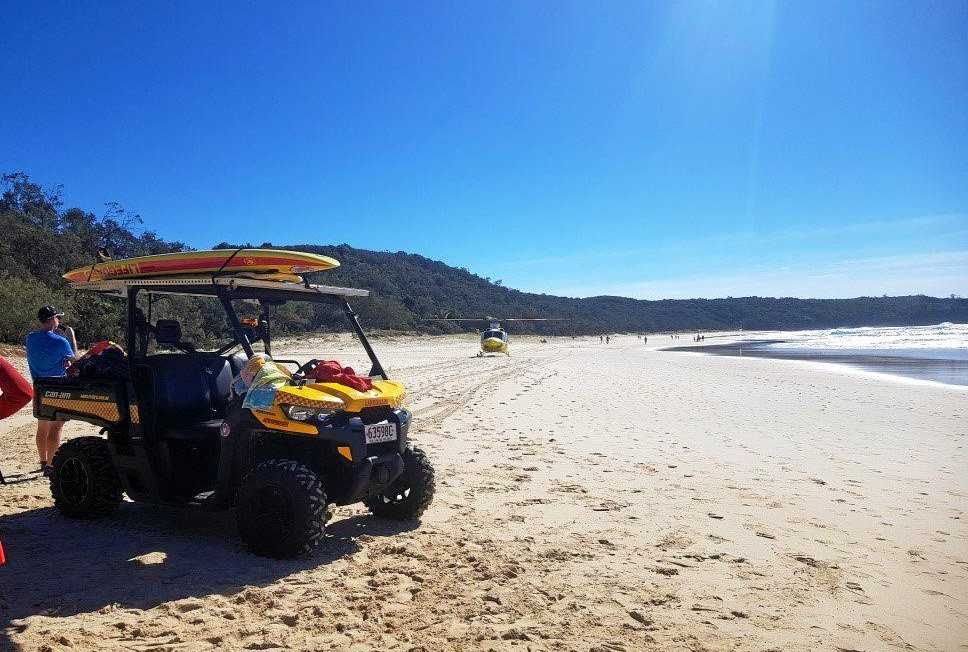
x,y
301,413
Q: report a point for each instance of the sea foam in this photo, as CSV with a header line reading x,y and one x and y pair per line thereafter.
x,y
939,336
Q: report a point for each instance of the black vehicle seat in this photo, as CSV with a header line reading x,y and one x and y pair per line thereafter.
x,y
215,369
192,391
218,373
182,397
237,362
169,332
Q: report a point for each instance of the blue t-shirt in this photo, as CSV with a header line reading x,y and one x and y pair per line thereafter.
x,y
46,351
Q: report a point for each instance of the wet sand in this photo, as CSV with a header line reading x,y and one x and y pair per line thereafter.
x,y
941,366
590,497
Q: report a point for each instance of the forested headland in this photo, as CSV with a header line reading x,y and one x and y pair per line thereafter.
x,y
41,239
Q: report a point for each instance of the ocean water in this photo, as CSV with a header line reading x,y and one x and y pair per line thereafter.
x,y
937,353
945,339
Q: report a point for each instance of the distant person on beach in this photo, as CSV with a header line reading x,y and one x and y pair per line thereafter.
x,y
607,339
50,351
601,339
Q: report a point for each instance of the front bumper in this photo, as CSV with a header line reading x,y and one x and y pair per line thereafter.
x,y
369,469
372,476
374,466
349,433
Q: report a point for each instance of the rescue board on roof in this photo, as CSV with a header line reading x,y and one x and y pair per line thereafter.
x,y
263,264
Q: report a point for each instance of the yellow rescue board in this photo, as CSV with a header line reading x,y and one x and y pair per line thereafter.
x,y
269,264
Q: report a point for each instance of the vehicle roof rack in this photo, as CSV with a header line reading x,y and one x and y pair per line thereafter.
x,y
207,286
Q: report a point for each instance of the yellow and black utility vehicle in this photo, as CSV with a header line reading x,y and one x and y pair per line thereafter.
x,y
176,427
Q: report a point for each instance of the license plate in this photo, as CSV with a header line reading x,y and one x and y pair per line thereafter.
x,y
378,433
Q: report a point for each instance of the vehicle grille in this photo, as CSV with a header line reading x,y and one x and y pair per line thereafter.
x,y
376,414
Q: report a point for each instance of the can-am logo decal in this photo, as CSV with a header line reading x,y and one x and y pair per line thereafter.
x,y
83,397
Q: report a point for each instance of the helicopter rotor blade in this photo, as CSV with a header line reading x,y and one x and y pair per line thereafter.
x,y
498,318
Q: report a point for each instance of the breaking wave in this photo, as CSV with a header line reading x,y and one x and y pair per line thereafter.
x,y
939,336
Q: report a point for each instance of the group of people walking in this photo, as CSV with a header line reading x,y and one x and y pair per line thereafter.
x,y
50,351
695,338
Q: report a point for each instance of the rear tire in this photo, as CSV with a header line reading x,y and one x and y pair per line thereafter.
x,y
85,483
281,509
411,494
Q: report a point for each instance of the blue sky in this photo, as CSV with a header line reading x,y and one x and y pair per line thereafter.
x,y
644,149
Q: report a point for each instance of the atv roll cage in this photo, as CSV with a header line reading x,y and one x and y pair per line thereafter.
x,y
226,289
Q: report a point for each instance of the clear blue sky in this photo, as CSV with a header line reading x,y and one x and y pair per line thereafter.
x,y
646,149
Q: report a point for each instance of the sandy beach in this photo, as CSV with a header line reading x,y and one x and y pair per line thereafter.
x,y
590,497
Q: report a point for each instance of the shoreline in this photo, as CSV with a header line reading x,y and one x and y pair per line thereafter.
x,y
948,372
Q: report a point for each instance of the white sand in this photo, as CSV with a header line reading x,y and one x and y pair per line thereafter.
x,y
590,497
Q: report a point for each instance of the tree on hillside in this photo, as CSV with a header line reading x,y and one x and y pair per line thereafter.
x,y
24,197
42,240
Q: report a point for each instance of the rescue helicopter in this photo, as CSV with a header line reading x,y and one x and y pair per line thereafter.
x,y
494,339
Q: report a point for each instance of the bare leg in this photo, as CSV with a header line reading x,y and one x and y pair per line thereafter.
x,y
53,439
43,429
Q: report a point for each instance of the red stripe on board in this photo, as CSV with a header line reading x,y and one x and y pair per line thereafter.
x,y
173,265
202,264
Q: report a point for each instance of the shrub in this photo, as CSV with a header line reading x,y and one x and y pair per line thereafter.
x,y
20,298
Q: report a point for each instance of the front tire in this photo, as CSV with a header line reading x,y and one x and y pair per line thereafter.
x,y
85,483
281,509
411,494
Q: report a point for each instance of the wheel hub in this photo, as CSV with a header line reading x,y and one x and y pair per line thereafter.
x,y
74,481
273,511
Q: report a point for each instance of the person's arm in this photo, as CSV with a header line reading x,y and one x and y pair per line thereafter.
x,y
69,345
72,340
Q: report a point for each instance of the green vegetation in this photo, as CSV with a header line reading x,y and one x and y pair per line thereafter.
x,y
42,240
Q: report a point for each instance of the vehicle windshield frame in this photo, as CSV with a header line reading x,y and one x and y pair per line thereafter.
x,y
226,294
